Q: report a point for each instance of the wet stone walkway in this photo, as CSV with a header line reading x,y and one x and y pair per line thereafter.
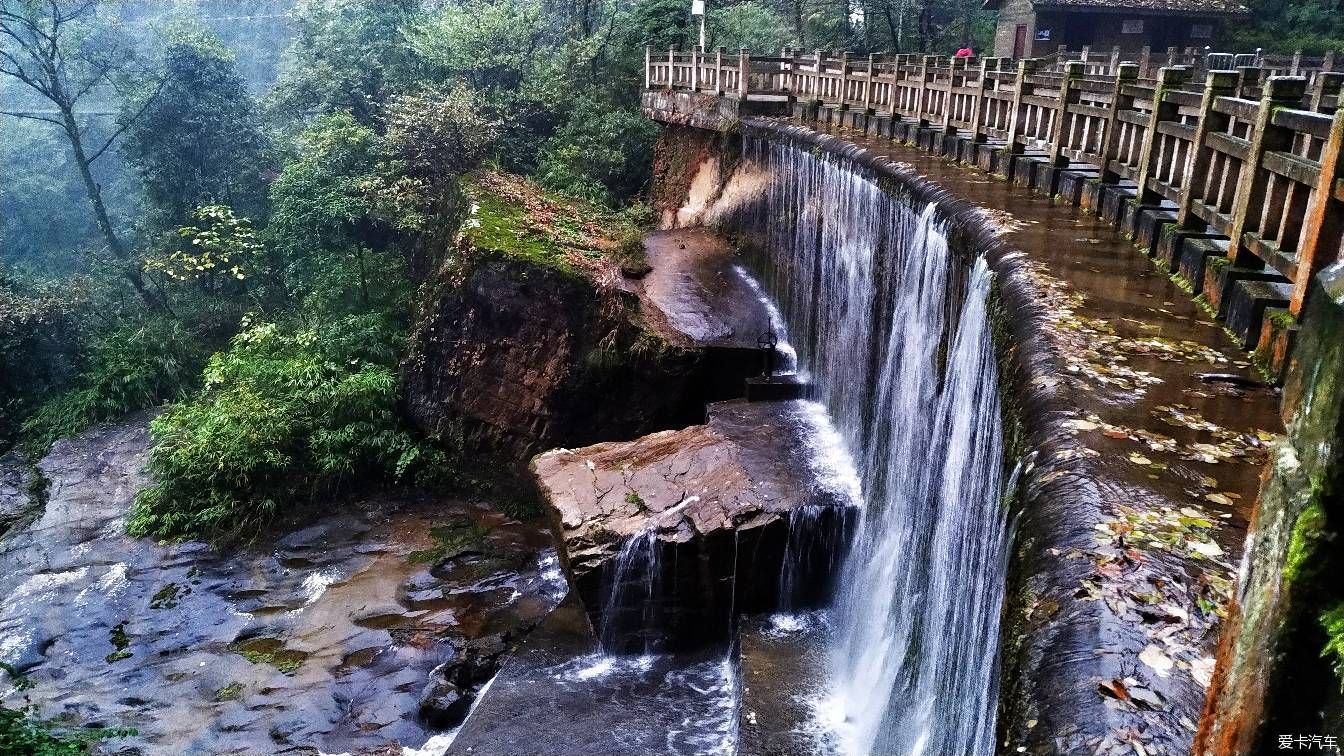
x,y
1168,459
321,640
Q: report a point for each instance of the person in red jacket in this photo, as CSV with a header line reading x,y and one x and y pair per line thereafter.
x,y
965,52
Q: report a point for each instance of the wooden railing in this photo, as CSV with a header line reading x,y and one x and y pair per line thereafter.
x,y
1250,157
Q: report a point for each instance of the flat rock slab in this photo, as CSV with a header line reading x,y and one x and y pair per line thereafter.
x,y
701,292
558,694
318,637
782,662
748,466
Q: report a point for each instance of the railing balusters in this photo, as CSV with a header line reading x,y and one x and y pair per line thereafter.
x,y
1254,159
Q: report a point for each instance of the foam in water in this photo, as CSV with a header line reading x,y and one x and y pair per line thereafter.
x,y
894,333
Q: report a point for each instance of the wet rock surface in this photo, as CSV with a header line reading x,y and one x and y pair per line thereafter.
x,y
558,694
700,291
322,638
783,662
16,485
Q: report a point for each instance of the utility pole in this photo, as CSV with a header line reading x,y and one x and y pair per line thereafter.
x,y
698,9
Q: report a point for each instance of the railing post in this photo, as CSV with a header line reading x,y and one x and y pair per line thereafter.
x,y
718,71
1126,76
1115,60
792,78
926,66
672,67
868,85
1167,78
695,68
987,65
1171,58
1144,55
844,80
1248,78
648,65
1068,95
1297,63
1280,92
1324,222
1327,85
1218,84
743,73
1021,88
1328,62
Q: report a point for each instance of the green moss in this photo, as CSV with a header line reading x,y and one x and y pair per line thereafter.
x,y
1282,319
119,643
1332,621
1308,532
270,651
165,598
231,692
634,499
1218,263
502,226
451,540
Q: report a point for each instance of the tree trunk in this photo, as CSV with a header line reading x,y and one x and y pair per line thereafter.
x,y
95,193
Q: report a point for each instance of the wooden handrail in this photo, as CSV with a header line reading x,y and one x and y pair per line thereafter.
x,y
1242,153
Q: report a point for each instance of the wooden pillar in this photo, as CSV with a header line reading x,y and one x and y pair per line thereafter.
x,y
1167,79
1021,88
791,79
1068,95
1280,92
1218,84
743,73
926,66
1324,223
1121,100
896,72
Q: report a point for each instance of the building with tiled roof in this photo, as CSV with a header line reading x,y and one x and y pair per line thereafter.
x,y
1032,28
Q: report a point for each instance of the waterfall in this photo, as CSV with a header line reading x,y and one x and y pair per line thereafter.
x,y
892,329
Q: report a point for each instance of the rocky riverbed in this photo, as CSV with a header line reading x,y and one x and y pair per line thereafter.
x,y
366,629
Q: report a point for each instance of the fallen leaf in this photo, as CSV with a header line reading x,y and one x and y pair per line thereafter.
x,y
1206,548
1202,670
1218,498
1139,459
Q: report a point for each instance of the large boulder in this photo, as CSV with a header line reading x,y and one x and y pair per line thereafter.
x,y
675,531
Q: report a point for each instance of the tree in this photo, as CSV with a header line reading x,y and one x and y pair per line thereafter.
x,y
199,142
66,51
349,55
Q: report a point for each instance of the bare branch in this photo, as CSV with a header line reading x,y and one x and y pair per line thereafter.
x,y
127,123
32,117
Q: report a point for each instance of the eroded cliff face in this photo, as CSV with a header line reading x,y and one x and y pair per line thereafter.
x,y
528,337
1280,665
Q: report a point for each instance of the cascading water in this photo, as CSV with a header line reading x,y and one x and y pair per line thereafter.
x,y
894,335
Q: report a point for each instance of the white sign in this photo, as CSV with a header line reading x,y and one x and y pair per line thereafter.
x,y
1131,27
697,7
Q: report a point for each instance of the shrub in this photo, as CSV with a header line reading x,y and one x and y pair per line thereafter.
x,y
283,415
133,366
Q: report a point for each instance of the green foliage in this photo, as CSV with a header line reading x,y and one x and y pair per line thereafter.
x,y
135,365
198,140
451,541
349,55
1285,26
1332,621
601,154
284,414
752,25
22,733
